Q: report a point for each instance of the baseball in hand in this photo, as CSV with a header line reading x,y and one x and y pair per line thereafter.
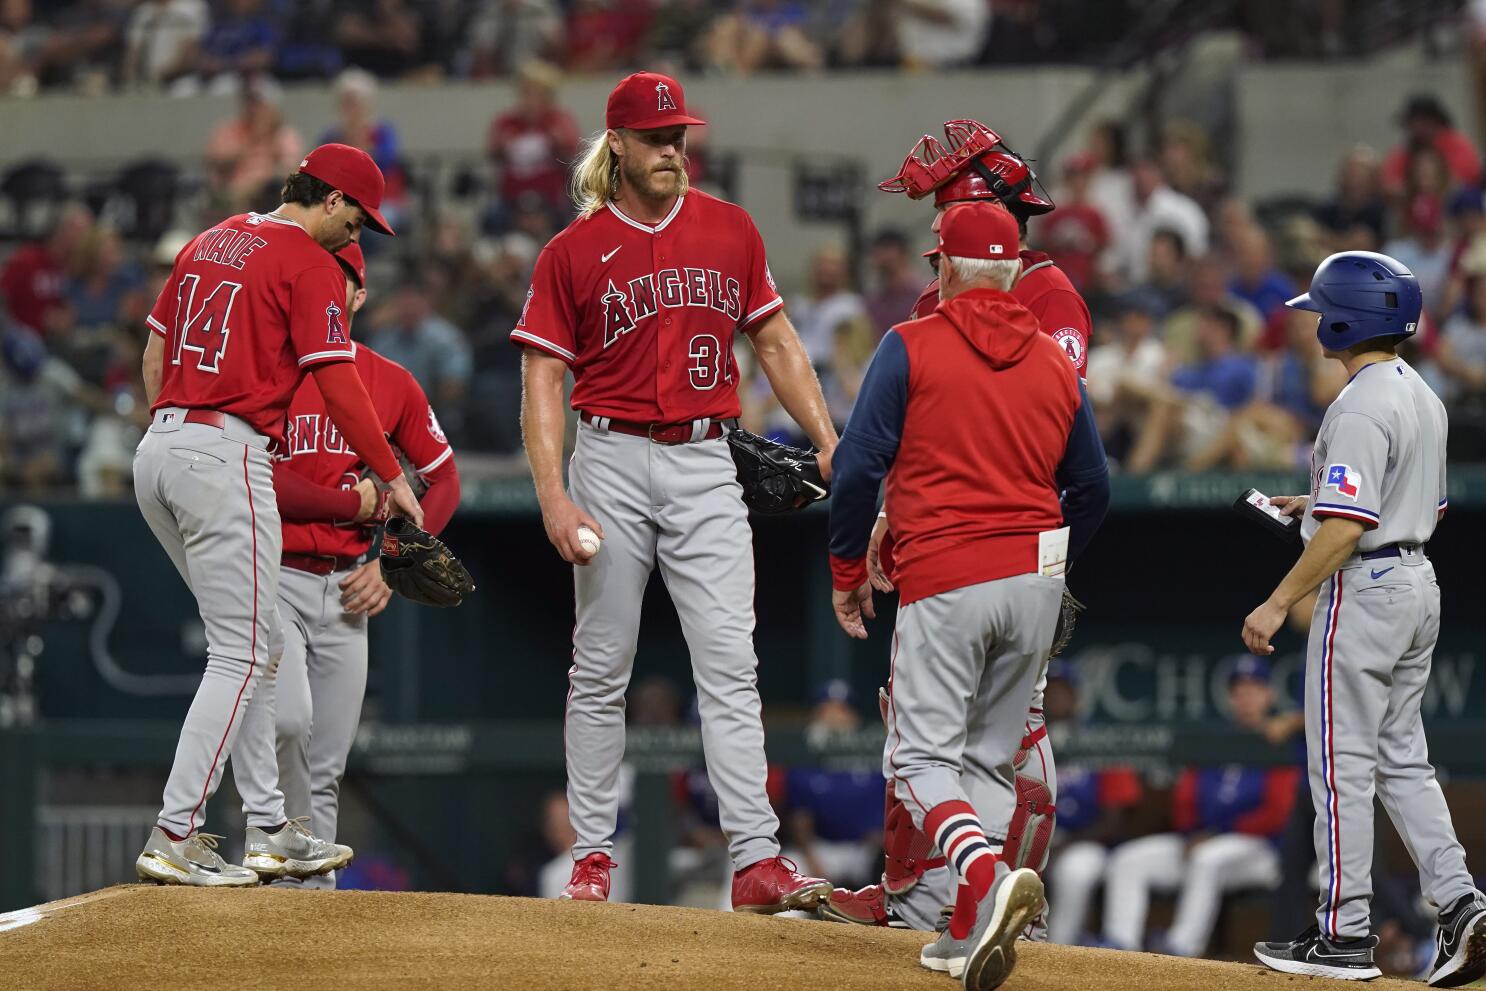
x,y
588,540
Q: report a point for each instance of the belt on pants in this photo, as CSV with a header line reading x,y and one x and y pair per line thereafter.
x,y
323,564
1392,550
209,417
660,433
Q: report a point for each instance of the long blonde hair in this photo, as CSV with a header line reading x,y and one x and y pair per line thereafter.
x,y
595,178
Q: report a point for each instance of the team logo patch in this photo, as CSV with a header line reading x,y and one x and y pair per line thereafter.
x,y
1071,340
335,331
769,278
436,431
663,99
1344,480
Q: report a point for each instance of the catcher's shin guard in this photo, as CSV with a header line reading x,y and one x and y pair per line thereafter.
x,y
908,852
1030,834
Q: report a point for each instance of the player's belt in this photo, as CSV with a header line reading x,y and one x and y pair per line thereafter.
x,y
322,564
1392,550
660,433
209,417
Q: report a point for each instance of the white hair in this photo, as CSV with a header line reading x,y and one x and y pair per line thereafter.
x,y
1000,273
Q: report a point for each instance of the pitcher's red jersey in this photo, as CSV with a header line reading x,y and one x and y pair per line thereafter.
x,y
645,315
315,449
249,306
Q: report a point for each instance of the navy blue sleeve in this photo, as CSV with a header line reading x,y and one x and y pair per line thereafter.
x,y
1083,475
867,448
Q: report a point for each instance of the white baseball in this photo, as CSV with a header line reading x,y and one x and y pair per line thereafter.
x,y
588,540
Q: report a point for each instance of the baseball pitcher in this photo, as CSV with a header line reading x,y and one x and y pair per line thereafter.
x,y
641,297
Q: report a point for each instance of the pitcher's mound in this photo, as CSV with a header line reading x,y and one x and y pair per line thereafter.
x,y
145,938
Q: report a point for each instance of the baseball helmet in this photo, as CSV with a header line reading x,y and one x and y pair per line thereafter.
x,y
973,163
1361,295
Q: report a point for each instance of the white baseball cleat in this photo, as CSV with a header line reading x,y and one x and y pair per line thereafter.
x,y
292,851
193,861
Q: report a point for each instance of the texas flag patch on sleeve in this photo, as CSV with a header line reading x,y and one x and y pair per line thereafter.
x,y
1344,480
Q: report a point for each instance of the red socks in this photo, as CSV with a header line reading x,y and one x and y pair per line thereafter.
x,y
958,833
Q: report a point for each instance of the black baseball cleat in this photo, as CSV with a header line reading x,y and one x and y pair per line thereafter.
x,y
1313,955
1460,945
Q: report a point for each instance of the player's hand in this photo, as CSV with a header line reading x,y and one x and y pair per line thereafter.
x,y
403,502
875,574
850,606
1260,625
370,499
823,460
363,591
562,518
1289,505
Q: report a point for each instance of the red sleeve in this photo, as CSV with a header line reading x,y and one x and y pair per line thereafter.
x,y
928,301
1119,788
162,315
760,296
1184,802
1061,312
302,501
1272,814
887,552
442,497
354,416
549,319
317,309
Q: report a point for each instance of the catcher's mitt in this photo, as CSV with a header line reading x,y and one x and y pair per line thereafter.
x,y
417,566
776,478
1067,619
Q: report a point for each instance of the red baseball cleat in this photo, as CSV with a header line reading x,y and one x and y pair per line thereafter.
x,y
590,880
865,907
776,885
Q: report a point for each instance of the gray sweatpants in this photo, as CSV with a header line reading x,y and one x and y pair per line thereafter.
x,y
679,505
207,494
964,669
1371,644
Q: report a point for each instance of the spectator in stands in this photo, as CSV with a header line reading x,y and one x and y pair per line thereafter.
x,y
941,34
1356,215
1127,369
79,46
897,280
1207,286
381,36
101,278
678,35
163,40
1111,189
1186,162
248,156
1462,349
762,34
240,45
31,281
1075,234
605,35
1425,248
1094,809
359,126
1166,283
1202,396
1255,277
1157,206
307,48
22,41
505,34
832,321
1226,819
32,449
531,143
1427,124
410,333
834,816
862,35
1277,428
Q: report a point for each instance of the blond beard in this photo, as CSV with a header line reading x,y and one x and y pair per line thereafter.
x,y
640,181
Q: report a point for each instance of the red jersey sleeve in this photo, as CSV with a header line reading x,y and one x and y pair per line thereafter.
x,y
162,315
317,316
1119,787
416,430
1065,318
1274,811
549,319
760,297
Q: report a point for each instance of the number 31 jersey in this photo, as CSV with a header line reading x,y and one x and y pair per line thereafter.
x,y
249,306
645,315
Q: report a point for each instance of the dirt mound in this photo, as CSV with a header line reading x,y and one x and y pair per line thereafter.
x,y
171,939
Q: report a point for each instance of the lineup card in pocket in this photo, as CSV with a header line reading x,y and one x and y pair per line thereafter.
x,y
1052,552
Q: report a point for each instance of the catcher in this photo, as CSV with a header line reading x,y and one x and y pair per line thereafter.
x,y
974,165
332,581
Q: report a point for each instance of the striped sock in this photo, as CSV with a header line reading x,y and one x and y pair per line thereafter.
x,y
958,833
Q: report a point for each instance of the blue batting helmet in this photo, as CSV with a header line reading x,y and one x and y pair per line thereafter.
x,y
1361,295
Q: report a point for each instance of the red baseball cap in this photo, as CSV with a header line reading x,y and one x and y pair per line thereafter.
x,y
978,229
353,172
354,262
646,100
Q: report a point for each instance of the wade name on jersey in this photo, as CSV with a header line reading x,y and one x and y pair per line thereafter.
x,y
226,246
625,309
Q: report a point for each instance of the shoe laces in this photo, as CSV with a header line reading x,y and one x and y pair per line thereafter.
x,y
206,843
298,825
593,870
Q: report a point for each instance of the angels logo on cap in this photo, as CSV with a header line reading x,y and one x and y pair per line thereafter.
x,y
663,98
647,100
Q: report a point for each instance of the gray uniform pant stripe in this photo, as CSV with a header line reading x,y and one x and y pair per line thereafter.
x,y
679,506
1367,665
209,500
965,665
